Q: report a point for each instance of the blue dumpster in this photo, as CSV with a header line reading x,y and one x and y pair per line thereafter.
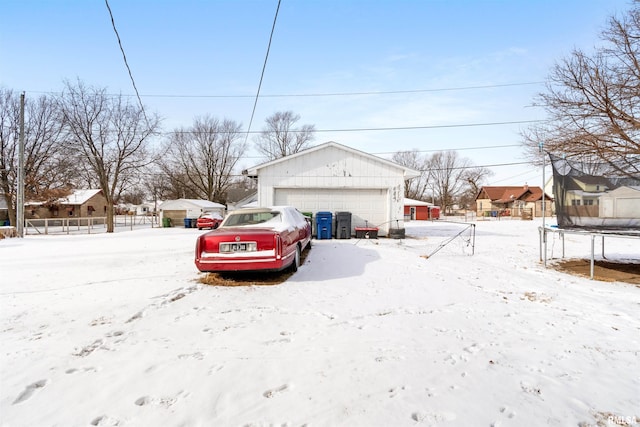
x,y
323,225
187,223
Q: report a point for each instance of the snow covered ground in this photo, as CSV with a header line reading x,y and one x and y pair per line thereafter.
x,y
115,329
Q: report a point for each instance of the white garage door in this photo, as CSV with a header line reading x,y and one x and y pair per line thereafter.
x,y
367,206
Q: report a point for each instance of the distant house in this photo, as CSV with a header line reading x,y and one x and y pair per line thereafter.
x,y
580,195
179,209
512,201
143,209
80,203
621,203
4,210
146,208
419,210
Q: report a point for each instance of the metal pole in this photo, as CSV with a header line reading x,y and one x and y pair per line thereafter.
x,y
20,190
473,245
543,183
593,238
540,241
543,234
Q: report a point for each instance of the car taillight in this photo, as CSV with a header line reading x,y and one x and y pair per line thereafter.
x,y
277,246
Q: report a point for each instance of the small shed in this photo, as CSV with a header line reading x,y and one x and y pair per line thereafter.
x,y
179,209
419,210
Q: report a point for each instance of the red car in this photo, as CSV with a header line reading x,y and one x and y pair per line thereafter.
x,y
252,239
209,220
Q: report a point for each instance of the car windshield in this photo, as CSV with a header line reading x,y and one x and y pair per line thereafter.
x,y
251,218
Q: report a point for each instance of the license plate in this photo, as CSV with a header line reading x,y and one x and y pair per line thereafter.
x,y
238,247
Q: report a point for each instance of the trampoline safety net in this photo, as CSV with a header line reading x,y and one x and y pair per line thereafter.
x,y
594,197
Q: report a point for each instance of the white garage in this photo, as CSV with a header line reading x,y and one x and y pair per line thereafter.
x,y
179,209
367,206
336,178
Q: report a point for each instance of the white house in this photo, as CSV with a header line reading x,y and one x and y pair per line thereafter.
x,y
331,177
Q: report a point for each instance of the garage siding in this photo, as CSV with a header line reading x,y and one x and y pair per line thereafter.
x,y
177,216
335,178
367,206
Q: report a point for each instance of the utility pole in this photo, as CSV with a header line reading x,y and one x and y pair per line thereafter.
x,y
20,192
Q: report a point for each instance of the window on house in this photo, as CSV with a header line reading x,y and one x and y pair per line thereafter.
x,y
575,202
90,210
588,202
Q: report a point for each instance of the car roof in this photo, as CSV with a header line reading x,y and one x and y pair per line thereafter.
x,y
253,210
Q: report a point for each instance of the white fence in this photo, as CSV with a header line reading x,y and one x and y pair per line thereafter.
x,y
86,225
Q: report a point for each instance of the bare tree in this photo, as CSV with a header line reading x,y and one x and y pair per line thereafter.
x,y
448,176
200,160
279,138
474,178
110,137
47,169
593,102
414,188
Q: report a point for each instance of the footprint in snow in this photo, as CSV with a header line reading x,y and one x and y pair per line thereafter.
x,y
271,393
160,401
29,390
105,420
87,369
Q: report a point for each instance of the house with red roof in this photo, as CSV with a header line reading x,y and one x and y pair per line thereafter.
x,y
512,201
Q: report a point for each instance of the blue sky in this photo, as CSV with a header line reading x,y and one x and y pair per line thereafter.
x,y
452,64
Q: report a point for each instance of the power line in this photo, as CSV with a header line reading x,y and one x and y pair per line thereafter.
x,y
328,94
378,129
486,147
160,174
126,63
264,66
429,127
387,92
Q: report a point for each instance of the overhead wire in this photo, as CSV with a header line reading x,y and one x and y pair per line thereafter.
x,y
459,125
126,63
325,94
264,66
387,92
